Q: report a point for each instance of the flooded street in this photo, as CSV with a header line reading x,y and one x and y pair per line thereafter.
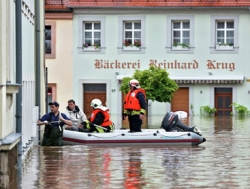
x,y
221,162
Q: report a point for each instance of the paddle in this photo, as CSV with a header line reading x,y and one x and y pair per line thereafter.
x,y
103,128
100,127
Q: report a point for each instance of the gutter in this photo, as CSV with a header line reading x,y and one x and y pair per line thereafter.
x,y
37,61
19,80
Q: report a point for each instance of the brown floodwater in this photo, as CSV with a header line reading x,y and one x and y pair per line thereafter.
x,y
223,161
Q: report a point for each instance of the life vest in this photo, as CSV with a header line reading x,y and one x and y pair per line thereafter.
x,y
131,102
106,122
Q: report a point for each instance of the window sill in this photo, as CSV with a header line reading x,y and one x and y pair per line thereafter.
x,y
180,49
131,48
90,49
12,88
224,48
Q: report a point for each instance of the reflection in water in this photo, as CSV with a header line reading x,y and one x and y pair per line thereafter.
x,y
221,162
134,177
223,123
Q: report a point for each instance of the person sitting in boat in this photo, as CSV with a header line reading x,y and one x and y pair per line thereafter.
x,y
75,114
99,122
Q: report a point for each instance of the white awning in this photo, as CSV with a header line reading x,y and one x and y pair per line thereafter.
x,y
223,79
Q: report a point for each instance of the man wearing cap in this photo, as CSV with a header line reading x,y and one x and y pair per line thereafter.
x,y
53,121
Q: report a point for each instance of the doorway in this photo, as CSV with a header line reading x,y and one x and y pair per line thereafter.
x,y
223,100
92,91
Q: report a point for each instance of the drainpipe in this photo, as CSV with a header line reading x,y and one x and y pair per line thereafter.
x,y
19,80
38,61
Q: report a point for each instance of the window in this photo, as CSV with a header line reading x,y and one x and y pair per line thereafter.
x,y
131,37
50,38
181,34
180,37
91,35
224,34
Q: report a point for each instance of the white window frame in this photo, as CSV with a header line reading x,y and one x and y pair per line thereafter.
x,y
90,50
92,30
121,35
180,49
214,46
181,30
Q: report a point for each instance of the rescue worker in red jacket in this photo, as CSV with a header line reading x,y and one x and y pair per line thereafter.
x,y
99,121
135,105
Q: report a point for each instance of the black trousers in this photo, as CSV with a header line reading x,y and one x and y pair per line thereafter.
x,y
134,123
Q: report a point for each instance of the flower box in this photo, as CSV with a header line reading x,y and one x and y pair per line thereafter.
x,y
180,46
224,47
91,48
131,48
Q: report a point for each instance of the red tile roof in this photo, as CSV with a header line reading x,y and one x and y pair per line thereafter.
x,y
59,4
56,5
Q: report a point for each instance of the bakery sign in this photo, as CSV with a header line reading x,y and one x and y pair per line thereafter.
x,y
210,64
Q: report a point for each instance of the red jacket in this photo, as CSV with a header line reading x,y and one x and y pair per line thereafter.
x,y
106,122
131,102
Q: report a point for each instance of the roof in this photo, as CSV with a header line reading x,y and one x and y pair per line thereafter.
x,y
57,6
67,4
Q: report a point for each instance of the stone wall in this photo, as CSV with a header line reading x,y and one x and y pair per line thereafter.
x,y
8,169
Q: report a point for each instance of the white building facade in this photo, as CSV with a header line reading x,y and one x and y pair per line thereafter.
x,y
203,48
22,87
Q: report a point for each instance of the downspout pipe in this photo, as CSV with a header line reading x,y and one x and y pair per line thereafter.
x,y
38,60
19,80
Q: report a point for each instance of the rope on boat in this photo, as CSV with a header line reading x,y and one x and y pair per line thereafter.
x,y
174,136
104,137
129,134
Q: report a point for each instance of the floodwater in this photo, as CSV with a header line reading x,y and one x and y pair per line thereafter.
x,y
223,161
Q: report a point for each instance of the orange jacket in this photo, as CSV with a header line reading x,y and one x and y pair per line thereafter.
x,y
106,122
131,102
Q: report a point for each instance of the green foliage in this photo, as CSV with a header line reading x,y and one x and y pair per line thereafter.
x,y
159,87
207,110
240,109
192,108
184,45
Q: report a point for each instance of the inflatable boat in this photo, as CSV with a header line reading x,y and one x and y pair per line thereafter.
x,y
147,136
172,132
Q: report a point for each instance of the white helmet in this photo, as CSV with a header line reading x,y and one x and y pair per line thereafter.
x,y
96,103
134,83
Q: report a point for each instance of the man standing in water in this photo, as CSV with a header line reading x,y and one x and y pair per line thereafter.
x,y
135,105
53,121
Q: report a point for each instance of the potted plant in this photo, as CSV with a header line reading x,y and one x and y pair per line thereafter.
x,y
127,42
88,46
223,46
97,46
207,110
137,43
128,45
176,45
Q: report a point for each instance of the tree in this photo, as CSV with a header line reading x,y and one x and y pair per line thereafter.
x,y
156,82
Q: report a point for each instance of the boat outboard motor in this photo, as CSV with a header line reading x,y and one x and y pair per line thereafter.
x,y
169,121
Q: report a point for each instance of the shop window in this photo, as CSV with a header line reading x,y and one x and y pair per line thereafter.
x,y
180,34
50,40
131,36
224,34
